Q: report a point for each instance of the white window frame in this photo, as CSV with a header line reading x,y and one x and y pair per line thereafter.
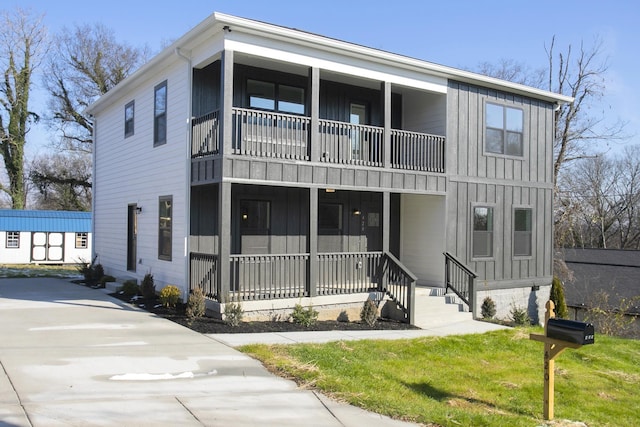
x,y
13,240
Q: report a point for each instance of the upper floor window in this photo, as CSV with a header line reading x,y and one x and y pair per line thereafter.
x,y
522,232
504,130
82,240
482,232
164,227
160,114
276,97
128,119
13,239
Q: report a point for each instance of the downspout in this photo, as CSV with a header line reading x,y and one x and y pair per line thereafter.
x,y
93,186
187,204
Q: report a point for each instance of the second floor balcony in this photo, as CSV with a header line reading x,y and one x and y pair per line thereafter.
x,y
269,134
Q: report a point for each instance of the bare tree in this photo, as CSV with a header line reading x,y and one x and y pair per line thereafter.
x,y
85,63
63,182
580,75
22,35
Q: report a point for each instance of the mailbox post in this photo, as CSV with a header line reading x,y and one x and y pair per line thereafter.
x,y
559,334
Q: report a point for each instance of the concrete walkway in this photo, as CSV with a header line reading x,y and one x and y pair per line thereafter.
x,y
75,356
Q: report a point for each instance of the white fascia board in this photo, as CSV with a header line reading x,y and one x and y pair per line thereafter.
x,y
373,72
262,29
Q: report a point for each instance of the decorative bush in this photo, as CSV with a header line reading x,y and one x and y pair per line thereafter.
x,y
233,314
302,316
369,313
519,316
557,296
147,288
488,308
98,273
130,288
169,296
196,304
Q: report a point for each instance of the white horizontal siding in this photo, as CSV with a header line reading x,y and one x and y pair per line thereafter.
x,y
132,170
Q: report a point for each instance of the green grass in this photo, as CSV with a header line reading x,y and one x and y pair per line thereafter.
x,y
32,270
493,379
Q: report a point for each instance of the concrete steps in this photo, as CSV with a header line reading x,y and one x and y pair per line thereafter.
x,y
434,307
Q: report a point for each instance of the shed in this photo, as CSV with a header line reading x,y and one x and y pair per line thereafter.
x,y
35,236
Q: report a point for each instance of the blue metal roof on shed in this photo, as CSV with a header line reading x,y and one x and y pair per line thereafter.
x,y
56,221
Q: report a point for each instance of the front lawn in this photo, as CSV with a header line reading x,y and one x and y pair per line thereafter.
x,y
33,270
492,379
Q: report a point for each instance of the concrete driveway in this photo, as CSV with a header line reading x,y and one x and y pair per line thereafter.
x,y
73,356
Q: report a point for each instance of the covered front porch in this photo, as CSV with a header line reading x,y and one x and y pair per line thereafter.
x,y
293,243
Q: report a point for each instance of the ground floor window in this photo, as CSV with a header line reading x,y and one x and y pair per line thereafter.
x,y
165,217
482,232
522,232
13,239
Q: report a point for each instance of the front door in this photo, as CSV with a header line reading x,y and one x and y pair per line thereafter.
x,y
132,237
47,247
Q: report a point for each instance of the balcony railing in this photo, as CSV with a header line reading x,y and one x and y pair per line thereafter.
x,y
265,134
205,135
417,151
351,144
285,136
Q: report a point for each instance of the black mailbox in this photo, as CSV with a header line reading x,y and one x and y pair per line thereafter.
x,y
570,331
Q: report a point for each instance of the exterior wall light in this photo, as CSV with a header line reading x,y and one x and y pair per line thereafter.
x,y
356,212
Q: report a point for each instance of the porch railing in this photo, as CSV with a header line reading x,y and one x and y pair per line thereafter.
x,y
460,279
348,272
348,143
257,277
205,135
203,273
417,151
267,134
263,277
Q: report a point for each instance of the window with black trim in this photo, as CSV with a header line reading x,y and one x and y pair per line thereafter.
x,y
275,97
504,129
82,240
522,232
129,111
330,218
160,114
165,212
482,232
13,240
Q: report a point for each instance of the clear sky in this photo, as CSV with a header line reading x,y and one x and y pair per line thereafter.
x,y
456,33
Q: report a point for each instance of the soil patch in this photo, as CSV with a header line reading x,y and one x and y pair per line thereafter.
x,y
208,325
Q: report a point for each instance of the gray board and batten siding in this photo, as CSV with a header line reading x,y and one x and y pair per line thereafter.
x,y
476,178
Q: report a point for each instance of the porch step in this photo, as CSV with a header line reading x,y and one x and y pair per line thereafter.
x,y
434,307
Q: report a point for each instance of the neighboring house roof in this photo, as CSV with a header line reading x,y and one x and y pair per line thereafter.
x,y
48,221
615,272
219,23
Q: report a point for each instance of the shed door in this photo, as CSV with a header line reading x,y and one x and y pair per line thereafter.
x,y
47,247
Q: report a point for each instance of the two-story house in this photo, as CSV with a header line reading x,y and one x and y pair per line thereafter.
x,y
273,166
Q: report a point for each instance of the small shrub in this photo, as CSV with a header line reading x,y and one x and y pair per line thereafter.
x,y
98,273
169,296
196,304
488,308
105,279
369,313
302,316
557,296
147,287
519,316
233,314
130,288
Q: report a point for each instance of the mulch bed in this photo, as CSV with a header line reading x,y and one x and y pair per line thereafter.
x,y
208,325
